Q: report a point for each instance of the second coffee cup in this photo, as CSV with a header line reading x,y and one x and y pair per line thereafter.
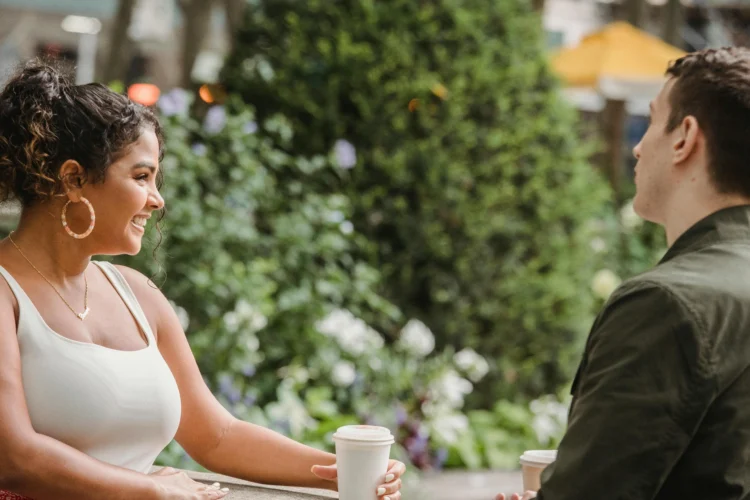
x,y
533,462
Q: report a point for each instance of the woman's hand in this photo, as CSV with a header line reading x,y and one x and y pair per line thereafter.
x,y
526,496
389,490
176,485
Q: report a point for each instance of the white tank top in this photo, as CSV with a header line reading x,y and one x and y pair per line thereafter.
x,y
120,407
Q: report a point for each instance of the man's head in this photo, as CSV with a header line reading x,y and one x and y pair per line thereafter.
x,y
698,141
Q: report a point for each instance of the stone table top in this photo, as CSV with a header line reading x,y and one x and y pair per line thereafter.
x,y
450,485
244,490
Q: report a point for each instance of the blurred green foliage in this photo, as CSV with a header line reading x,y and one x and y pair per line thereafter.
x,y
467,174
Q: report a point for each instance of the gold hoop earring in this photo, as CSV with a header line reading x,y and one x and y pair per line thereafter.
x,y
65,220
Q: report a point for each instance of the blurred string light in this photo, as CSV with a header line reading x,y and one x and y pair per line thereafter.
x,y
144,93
212,93
81,24
440,91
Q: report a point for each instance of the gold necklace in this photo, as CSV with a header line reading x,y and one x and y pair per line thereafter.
x,y
80,316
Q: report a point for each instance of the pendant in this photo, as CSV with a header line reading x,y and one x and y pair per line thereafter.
x,y
83,315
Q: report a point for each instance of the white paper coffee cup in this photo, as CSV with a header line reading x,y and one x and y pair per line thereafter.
x,y
533,462
362,455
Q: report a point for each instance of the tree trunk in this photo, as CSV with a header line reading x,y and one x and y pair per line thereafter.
x,y
119,43
635,11
673,19
197,15
614,117
538,5
235,10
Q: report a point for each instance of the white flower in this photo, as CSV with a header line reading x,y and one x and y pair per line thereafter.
x,y
337,320
345,154
353,335
252,343
335,216
182,315
598,245
550,418
346,227
628,217
343,374
604,283
417,339
545,428
232,321
299,374
291,409
450,389
247,313
449,428
471,363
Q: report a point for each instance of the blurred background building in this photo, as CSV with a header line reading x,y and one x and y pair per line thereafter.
x,y
129,41
182,43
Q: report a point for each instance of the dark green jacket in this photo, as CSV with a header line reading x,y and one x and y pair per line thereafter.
x,y
661,400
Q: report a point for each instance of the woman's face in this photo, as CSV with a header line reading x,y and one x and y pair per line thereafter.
x,y
124,202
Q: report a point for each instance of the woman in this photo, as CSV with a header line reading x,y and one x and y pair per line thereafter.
x,y
96,375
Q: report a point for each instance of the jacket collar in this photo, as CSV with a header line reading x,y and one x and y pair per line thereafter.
x,y
726,224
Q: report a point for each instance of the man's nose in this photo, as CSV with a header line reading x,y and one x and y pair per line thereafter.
x,y
637,151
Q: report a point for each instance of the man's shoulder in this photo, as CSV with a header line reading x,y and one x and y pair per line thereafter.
x,y
711,287
715,275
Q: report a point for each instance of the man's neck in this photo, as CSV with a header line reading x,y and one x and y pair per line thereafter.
x,y
685,215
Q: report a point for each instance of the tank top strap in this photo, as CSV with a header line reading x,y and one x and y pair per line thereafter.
x,y
24,302
123,289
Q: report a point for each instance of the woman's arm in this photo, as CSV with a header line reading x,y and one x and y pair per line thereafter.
x,y
38,466
208,432
258,454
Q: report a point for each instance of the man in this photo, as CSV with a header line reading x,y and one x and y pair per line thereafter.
x,y
661,400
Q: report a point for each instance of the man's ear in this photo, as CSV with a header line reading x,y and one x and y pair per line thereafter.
x,y
72,177
686,139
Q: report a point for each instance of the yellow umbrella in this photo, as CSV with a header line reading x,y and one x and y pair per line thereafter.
x,y
620,52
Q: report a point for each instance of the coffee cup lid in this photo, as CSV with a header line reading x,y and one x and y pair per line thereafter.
x,y
539,457
364,433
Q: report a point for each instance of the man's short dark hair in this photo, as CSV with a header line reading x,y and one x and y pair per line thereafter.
x,y
714,87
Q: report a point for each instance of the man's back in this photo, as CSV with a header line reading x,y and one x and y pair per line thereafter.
x,y
661,406
712,277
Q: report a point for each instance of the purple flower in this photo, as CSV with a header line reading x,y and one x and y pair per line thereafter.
x,y
417,444
250,128
282,426
249,400
215,120
175,102
228,390
345,153
248,370
440,457
199,149
401,415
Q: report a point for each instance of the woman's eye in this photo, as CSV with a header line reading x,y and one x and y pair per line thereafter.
x,y
142,177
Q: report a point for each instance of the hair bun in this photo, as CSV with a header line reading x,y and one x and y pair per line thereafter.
x,y
37,76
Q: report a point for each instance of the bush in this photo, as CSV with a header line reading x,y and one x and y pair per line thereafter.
x,y
464,165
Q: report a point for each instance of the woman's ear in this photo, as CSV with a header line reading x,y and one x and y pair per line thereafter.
x,y
72,178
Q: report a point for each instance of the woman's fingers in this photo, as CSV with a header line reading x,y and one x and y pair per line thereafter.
x,y
397,470
389,489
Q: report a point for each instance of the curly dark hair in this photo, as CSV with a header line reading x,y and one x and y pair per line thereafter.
x,y
46,120
714,87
